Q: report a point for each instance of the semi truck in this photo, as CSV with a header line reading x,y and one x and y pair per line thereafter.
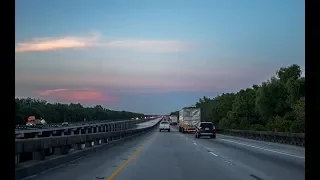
x,y
189,117
174,120
32,121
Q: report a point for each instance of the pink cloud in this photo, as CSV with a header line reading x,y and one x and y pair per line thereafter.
x,y
82,94
50,44
123,84
95,40
112,81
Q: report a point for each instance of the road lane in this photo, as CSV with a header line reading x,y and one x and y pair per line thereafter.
x,y
97,165
170,156
259,156
173,155
289,149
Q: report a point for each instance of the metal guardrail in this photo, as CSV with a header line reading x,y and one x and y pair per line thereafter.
x,y
40,146
55,125
297,139
80,128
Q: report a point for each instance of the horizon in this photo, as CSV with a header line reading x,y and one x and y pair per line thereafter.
x,y
152,57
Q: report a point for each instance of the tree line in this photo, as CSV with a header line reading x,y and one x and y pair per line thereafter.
x,y
276,105
58,113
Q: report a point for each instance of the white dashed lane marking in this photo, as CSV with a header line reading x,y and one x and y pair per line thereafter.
x,y
213,153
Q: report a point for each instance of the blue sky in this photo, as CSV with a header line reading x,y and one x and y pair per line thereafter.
x,y
152,56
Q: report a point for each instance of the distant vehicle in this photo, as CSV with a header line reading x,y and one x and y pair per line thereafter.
x,y
174,120
32,121
65,124
164,125
205,129
189,117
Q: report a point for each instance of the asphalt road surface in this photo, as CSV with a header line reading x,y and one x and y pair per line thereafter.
x,y
176,156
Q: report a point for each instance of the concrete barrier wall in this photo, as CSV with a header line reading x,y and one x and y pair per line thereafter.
x,y
297,139
63,144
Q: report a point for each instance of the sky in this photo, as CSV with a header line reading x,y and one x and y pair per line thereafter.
x,y
152,56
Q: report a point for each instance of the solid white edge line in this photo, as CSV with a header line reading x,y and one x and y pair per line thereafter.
x,y
213,153
279,152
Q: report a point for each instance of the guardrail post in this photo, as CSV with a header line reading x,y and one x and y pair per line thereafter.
x,y
97,142
17,159
36,135
61,150
78,146
38,155
94,129
62,132
88,144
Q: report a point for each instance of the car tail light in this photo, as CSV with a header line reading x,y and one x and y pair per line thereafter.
x,y
213,128
199,128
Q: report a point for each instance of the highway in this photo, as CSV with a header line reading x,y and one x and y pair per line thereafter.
x,y
176,156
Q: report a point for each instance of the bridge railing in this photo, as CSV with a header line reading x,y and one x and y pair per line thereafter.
x,y
40,150
75,128
51,125
297,139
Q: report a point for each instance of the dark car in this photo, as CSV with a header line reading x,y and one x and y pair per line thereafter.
x,y
205,129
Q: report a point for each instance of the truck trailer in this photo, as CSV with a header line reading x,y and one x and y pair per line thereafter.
x,y
174,120
189,117
32,121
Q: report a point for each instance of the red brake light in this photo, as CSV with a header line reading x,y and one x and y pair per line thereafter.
x,y
199,128
214,128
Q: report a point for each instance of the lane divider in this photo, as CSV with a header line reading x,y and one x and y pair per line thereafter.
x,y
213,153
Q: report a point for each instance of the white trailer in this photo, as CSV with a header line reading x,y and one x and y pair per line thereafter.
x,y
174,120
189,117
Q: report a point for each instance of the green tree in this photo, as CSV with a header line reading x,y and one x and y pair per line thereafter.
x,y
276,105
58,113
